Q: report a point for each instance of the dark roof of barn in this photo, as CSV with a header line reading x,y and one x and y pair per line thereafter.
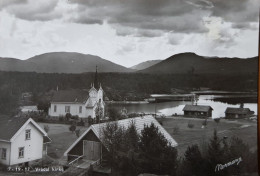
x,y
197,108
71,96
237,110
9,126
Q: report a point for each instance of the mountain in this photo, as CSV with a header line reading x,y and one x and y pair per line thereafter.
x,y
61,62
11,64
191,63
144,65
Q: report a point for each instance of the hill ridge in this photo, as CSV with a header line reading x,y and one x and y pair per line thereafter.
x,y
184,63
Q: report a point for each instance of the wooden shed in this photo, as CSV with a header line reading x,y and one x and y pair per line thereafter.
x,y
238,113
89,145
197,111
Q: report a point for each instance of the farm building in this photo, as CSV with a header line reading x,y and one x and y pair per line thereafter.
x,y
197,111
238,112
89,145
22,140
81,103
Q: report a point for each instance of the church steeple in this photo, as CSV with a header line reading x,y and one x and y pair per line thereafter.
x,y
96,79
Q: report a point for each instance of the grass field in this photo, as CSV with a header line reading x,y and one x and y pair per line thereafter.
x,y
243,129
246,130
61,138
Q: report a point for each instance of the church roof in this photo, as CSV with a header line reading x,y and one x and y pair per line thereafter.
x,y
71,96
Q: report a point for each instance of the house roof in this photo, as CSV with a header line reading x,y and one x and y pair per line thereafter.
x,y
139,122
238,110
72,96
197,108
10,127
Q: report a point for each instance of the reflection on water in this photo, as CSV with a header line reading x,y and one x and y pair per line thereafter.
x,y
170,108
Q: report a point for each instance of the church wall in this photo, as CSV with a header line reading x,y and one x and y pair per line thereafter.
x,y
90,112
60,110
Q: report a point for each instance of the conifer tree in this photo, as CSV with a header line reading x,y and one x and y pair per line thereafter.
x,y
157,155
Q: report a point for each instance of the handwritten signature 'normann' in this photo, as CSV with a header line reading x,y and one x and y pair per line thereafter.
x,y
220,167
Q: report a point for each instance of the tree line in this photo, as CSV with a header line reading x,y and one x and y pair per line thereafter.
x,y
117,86
131,153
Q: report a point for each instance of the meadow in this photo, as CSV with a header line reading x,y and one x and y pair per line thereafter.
x,y
177,127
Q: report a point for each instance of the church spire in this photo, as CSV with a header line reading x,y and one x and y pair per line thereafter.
x,y
96,79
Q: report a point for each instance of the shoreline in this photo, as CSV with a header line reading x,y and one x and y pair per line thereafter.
x,y
126,102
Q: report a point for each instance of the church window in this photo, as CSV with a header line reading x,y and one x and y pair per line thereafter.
x,y
80,109
3,155
67,109
55,108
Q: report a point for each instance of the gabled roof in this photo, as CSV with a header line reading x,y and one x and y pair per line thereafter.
x,y
197,108
139,122
238,110
70,96
92,89
11,127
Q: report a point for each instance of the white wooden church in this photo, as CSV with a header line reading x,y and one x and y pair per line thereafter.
x,y
82,103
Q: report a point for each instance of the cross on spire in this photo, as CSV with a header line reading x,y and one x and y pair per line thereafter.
x,y
96,78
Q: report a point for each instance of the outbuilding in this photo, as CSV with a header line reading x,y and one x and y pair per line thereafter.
x,y
197,111
238,112
89,145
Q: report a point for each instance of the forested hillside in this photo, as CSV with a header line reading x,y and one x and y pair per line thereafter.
x,y
117,86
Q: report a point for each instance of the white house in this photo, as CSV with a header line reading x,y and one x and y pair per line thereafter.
x,y
21,140
82,103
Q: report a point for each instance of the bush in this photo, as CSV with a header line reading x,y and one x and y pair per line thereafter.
x,y
81,123
75,117
90,120
190,125
163,116
68,116
61,118
72,128
77,132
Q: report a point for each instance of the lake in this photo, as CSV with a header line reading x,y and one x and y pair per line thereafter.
x,y
218,103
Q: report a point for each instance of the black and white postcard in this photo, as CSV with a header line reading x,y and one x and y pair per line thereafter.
x,y
129,87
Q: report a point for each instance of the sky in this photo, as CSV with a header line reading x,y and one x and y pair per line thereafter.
x,y
128,32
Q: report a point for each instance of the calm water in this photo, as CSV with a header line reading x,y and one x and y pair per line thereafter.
x,y
169,108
